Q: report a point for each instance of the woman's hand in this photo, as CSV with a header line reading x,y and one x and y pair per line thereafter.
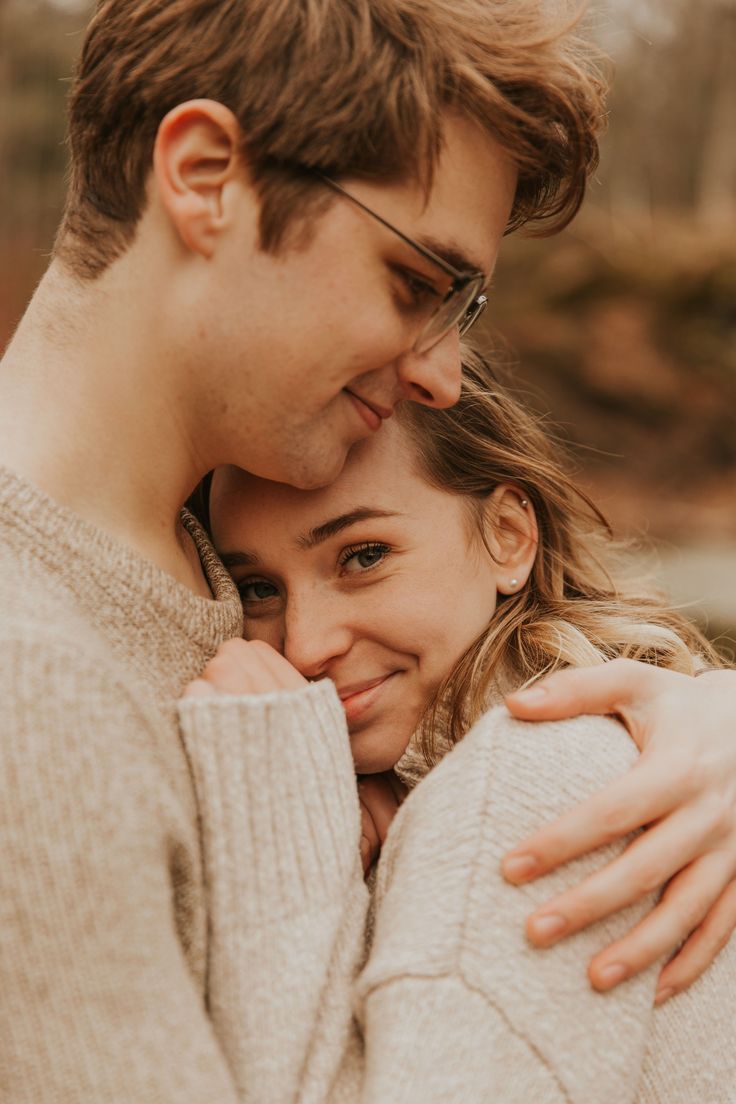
x,y
683,788
245,667
380,796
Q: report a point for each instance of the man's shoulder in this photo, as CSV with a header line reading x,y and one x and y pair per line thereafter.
x,y
70,703
59,680
80,737
44,624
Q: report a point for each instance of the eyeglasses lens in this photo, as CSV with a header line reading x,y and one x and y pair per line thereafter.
x,y
460,309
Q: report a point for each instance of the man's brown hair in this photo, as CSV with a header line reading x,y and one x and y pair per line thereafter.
x,y
349,87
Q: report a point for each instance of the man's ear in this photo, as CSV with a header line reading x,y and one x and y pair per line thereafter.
x,y
196,156
512,536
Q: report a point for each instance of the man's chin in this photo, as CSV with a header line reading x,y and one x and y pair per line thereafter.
x,y
324,470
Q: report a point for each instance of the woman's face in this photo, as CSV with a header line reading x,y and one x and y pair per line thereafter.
x,y
379,582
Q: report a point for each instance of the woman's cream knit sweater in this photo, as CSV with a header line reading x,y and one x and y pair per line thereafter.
x,y
452,1004
183,907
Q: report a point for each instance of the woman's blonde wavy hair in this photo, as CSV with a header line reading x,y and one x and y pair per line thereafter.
x,y
577,608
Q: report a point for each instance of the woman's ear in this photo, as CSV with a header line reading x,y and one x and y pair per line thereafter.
x,y
512,536
196,157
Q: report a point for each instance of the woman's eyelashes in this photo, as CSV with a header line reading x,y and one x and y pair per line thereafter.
x,y
257,595
261,596
360,558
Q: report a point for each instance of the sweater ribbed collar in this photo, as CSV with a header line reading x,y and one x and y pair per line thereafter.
x,y
113,580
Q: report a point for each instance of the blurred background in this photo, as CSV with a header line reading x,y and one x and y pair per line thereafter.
x,y
621,331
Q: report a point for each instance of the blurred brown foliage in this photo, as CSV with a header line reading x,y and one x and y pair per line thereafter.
x,y
38,45
632,345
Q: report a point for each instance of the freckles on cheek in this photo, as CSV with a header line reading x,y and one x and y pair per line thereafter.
x,y
461,628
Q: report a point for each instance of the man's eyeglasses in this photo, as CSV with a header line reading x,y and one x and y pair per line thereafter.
x,y
461,304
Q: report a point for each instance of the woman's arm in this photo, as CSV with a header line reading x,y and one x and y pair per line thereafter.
x,y
452,1000
286,899
454,1003
684,783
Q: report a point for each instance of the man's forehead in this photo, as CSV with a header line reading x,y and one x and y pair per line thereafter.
x,y
472,191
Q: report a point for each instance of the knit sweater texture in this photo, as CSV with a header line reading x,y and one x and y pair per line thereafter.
x,y
183,904
104,926
452,1004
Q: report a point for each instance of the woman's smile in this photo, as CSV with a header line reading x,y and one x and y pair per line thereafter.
x,y
359,697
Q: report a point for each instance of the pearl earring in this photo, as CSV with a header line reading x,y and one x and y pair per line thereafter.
x,y
524,503
513,583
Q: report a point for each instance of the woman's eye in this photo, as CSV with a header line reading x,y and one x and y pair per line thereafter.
x,y
363,557
257,590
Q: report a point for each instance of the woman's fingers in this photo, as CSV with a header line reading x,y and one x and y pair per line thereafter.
x,y
398,789
377,796
283,674
250,667
370,842
683,906
647,793
380,796
646,865
701,948
615,687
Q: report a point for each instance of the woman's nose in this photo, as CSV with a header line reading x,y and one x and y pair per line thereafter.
x,y
314,635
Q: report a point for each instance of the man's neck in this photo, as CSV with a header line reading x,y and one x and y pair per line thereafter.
x,y
86,415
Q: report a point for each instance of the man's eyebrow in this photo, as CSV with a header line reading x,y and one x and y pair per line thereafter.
x,y
453,255
336,525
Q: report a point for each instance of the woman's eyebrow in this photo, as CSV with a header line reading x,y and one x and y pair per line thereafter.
x,y
238,559
336,525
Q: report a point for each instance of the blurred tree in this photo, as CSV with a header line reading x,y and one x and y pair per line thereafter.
x,y
717,184
38,45
672,144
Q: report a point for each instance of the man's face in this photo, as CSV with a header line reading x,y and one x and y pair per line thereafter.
x,y
318,346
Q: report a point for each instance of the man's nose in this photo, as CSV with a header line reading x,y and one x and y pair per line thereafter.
x,y
314,635
433,378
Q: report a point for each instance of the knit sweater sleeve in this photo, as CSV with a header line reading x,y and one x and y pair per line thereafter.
x,y
286,898
98,1001
453,1003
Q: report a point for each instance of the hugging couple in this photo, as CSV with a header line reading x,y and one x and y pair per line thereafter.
x,y
282,218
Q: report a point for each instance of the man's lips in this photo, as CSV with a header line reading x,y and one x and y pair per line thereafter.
x,y
358,697
370,412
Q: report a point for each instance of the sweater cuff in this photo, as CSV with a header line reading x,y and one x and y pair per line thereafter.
x,y
277,796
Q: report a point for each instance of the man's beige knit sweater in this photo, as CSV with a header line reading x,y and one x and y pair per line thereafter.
x,y
183,907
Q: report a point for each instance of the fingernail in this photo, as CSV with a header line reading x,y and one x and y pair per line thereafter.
x,y
516,868
611,975
663,995
546,928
